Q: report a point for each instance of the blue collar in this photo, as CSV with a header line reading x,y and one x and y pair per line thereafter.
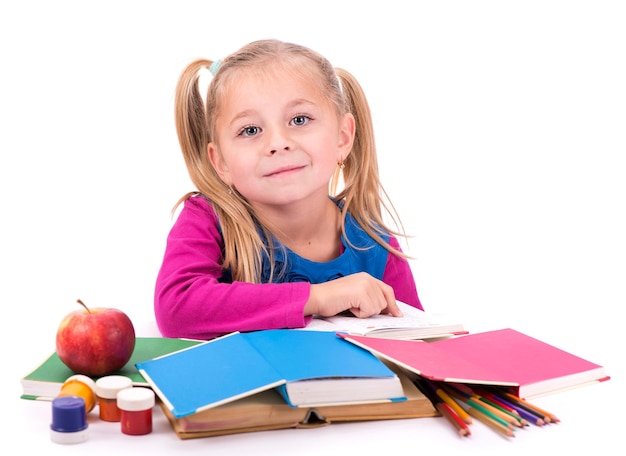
x,y
361,254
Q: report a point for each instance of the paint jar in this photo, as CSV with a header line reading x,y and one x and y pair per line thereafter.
x,y
69,420
106,391
81,386
136,405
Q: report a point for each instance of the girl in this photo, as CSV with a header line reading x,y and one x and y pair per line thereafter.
x,y
269,238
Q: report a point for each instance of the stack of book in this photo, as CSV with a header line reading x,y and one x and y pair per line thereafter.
x,y
277,379
268,410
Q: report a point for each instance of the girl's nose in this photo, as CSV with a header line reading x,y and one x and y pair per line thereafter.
x,y
285,148
279,141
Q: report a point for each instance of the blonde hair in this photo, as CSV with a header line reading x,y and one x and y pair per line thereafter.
x,y
361,191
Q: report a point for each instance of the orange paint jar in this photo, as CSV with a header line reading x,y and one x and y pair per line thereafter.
x,y
106,391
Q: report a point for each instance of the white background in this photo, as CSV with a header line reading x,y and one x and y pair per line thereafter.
x,y
500,129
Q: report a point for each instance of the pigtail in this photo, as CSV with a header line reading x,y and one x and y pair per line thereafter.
x,y
242,245
190,114
191,124
363,191
361,166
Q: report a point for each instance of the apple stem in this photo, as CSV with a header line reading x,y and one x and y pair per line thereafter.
x,y
83,304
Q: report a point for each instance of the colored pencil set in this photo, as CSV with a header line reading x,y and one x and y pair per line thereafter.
x,y
495,407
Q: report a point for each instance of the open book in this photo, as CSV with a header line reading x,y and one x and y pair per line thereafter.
x,y
503,357
309,368
414,324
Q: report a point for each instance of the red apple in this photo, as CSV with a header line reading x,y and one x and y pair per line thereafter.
x,y
96,341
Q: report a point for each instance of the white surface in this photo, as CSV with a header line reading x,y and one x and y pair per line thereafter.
x,y
583,412
500,129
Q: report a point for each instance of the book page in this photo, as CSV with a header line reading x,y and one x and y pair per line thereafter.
x,y
413,318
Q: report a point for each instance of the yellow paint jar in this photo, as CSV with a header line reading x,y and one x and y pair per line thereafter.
x,y
81,386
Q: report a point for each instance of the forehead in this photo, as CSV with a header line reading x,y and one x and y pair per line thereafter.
x,y
273,81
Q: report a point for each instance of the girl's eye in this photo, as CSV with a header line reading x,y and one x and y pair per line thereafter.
x,y
300,120
249,131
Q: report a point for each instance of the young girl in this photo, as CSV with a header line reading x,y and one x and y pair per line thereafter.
x,y
287,221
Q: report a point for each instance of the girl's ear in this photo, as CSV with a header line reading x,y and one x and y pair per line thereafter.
x,y
346,136
220,166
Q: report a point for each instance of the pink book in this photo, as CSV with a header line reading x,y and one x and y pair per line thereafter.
x,y
503,357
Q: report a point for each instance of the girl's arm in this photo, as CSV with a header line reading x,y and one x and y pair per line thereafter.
x,y
399,276
190,301
365,295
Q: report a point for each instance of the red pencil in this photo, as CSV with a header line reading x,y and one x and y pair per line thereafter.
x,y
448,413
444,409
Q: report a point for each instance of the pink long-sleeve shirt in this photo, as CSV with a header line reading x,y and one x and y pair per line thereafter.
x,y
193,300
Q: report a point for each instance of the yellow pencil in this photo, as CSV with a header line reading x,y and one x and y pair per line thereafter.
x,y
454,405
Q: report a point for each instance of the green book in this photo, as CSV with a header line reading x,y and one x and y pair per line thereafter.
x,y
45,381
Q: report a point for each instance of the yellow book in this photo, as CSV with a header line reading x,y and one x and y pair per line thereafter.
x,y
269,411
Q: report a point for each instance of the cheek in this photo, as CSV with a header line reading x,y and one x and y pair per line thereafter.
x,y
241,169
328,153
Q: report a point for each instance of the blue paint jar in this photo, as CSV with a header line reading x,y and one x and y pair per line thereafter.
x,y
69,420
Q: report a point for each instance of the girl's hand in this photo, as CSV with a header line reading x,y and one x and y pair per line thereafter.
x,y
360,293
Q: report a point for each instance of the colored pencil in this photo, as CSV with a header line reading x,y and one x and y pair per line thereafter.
x,y
528,406
504,430
485,410
460,411
548,417
444,409
495,399
529,416
448,413
523,421
468,396
510,412
513,419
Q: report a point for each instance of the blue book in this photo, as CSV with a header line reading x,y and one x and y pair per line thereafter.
x,y
308,368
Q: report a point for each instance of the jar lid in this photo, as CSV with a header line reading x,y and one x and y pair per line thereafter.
x,y
135,399
83,379
69,420
108,387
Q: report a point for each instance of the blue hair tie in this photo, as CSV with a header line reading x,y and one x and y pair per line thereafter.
x,y
215,66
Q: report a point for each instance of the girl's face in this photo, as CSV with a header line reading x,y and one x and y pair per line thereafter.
x,y
279,139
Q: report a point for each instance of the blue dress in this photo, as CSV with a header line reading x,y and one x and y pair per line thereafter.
x,y
361,254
